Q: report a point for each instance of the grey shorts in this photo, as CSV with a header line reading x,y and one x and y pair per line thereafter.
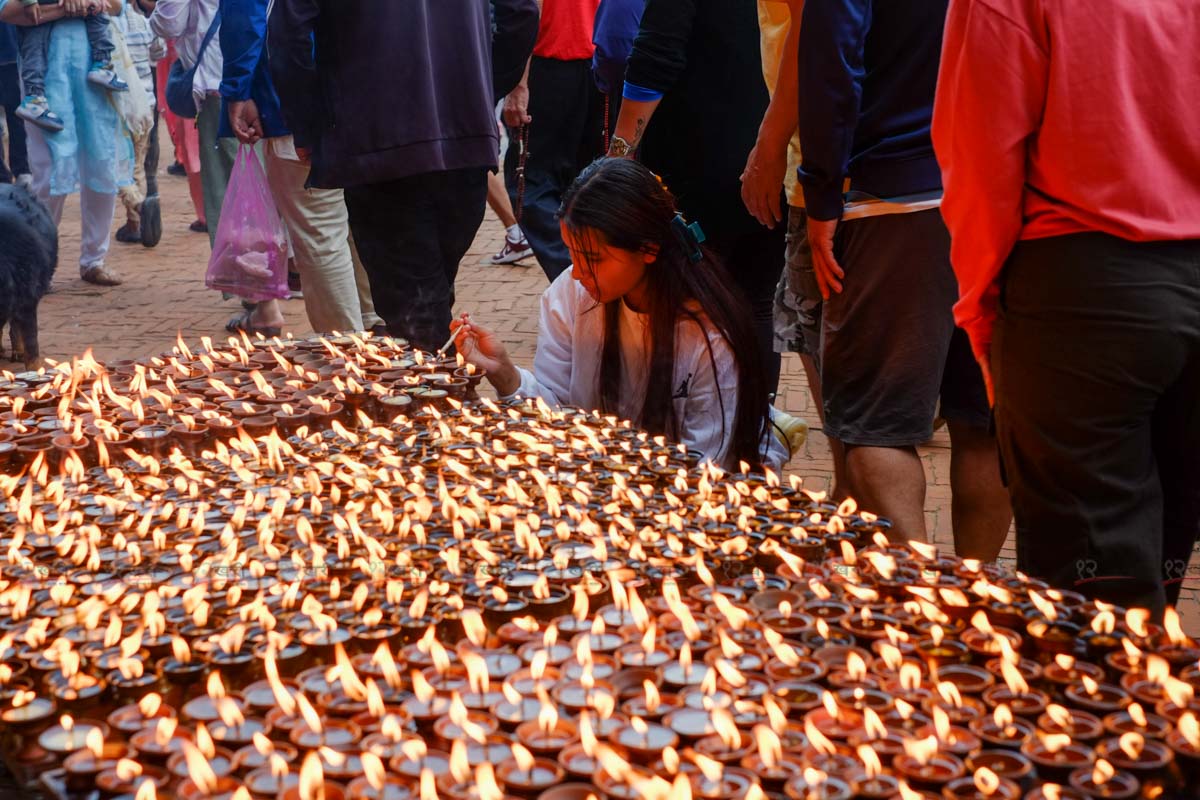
x,y
890,346
798,298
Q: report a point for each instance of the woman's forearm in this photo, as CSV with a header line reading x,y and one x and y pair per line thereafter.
x,y
16,14
634,119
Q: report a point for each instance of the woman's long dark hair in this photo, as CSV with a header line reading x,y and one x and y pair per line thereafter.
x,y
627,206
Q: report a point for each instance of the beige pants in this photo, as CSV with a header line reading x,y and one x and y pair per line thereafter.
x,y
337,296
133,194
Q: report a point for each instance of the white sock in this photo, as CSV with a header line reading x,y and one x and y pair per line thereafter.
x,y
513,233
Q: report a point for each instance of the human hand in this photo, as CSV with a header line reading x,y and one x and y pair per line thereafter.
x,y
516,107
829,273
244,119
75,8
483,348
762,182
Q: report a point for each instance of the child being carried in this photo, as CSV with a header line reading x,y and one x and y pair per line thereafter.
x,y
35,50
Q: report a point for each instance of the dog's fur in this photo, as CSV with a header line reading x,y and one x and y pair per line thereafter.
x,y
28,258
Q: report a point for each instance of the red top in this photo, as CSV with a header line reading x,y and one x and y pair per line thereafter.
x,y
566,29
1060,116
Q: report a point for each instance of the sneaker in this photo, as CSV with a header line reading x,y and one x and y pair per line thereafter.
x,y
512,252
177,170
198,226
36,109
104,75
294,286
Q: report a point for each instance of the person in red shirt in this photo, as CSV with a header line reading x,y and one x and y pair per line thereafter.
x,y
562,112
1066,134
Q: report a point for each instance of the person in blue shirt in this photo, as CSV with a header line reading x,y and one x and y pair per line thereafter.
x,y
336,294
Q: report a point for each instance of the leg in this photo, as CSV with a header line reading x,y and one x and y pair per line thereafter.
x,y
1176,431
551,145
96,212
99,38
980,508
40,165
755,263
133,194
362,285
216,163
462,200
497,200
151,162
320,233
881,373
35,49
25,327
1093,336
397,228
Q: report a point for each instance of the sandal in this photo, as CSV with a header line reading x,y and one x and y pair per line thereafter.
x,y
242,323
101,276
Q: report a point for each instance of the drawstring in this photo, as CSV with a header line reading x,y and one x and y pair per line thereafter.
x,y
523,150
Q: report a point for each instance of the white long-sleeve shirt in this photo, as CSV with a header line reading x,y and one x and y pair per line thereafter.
x,y
187,22
566,371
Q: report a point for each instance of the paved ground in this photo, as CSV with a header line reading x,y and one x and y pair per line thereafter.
x,y
164,295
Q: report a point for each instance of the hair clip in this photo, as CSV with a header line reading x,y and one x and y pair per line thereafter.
x,y
690,237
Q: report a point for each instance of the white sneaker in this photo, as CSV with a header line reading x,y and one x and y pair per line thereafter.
x,y
512,252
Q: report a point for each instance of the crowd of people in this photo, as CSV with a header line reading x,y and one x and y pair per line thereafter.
x,y
984,212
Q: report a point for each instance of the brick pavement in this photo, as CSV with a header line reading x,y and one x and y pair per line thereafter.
x,y
164,295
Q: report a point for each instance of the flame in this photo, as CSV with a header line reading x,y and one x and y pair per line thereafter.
x,y
653,699
986,781
1054,742
1047,608
921,750
873,725
94,742
1105,622
949,692
150,705
523,757
910,676
1132,744
908,794
856,667
146,791
1189,728
127,769
1157,670
1136,619
312,778
1061,716
870,761
164,730
770,748
204,741
1089,685
726,728
1103,772
818,740
199,770
460,766
941,724
1013,678
309,714
1003,717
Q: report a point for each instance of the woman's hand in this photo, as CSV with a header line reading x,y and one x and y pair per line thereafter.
x,y
75,8
481,347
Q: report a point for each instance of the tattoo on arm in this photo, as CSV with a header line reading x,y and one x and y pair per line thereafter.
x,y
637,132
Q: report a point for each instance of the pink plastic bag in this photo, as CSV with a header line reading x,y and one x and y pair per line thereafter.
x,y
250,253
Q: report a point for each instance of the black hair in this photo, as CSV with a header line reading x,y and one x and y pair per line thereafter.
x,y
626,206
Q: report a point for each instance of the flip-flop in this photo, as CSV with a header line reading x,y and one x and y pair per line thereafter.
x,y
242,323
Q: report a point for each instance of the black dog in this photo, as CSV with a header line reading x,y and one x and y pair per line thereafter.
x,y
28,258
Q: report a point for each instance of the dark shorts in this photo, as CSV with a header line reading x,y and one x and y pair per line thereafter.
x,y
798,298
890,348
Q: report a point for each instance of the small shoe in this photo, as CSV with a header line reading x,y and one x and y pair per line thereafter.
x,y
177,170
199,226
294,286
512,252
36,109
129,233
104,75
151,212
101,276
25,181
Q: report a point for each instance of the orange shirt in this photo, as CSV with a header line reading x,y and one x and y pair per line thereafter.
x,y
565,32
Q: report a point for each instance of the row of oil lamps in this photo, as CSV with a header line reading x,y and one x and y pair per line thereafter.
x,y
416,594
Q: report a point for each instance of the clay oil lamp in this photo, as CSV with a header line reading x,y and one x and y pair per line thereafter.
x,y
260,753
832,720
1104,782
128,720
1054,791
1184,742
813,784
875,784
157,742
129,778
218,760
984,640
548,734
527,776
1002,729
1005,763
1100,698
70,735
83,765
313,783
875,735
1149,687
769,762
1134,719
202,776
1147,759
1051,634
960,708
1016,693
1102,637
1079,725
923,767
938,651
983,784
1064,671
1055,756
644,740
950,738
318,731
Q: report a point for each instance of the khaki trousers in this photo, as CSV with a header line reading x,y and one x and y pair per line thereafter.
x,y
337,296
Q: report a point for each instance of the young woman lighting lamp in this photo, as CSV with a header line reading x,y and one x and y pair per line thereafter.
x,y
644,326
